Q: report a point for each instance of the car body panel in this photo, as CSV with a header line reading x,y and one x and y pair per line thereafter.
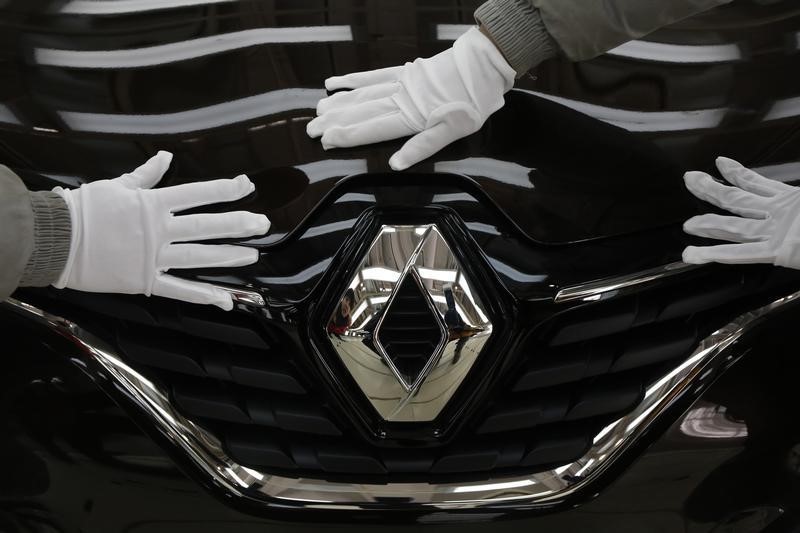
x,y
89,96
577,179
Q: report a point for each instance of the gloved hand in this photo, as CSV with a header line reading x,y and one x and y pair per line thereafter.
x,y
440,99
124,234
768,225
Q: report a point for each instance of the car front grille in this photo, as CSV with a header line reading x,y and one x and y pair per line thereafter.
x,y
580,367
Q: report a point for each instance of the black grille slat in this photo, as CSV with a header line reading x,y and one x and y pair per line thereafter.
x,y
165,354
566,367
346,460
186,355
229,333
587,325
258,448
467,461
522,413
657,347
644,347
210,405
295,416
605,399
557,450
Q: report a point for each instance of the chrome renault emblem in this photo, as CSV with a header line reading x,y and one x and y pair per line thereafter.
x,y
409,327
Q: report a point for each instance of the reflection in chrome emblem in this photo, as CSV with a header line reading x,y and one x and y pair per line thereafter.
x,y
409,326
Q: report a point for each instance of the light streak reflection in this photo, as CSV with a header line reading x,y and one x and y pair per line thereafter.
x,y
162,54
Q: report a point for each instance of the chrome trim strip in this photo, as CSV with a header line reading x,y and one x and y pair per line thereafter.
x,y
605,288
533,491
244,297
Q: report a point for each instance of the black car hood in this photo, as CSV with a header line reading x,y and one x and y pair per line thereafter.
x,y
580,151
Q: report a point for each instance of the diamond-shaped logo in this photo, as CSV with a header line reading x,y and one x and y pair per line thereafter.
x,y
409,327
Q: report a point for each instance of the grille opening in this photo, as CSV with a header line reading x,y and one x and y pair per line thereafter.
x,y
409,333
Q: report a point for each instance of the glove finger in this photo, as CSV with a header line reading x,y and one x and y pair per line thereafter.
x,y
356,96
148,174
423,145
735,254
749,180
350,116
733,229
191,291
362,79
191,195
379,129
206,256
217,226
729,198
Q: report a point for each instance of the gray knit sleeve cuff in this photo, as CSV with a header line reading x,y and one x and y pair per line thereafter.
x,y
518,30
52,229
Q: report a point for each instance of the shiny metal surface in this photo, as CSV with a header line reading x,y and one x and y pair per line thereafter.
x,y
398,391
245,297
609,287
519,492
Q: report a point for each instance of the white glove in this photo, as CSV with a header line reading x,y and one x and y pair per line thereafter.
x,y
768,227
123,234
440,99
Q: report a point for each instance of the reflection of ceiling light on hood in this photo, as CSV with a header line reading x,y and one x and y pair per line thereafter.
x,y
7,116
189,49
118,7
451,32
785,172
357,196
333,227
787,108
643,50
453,197
317,171
642,120
515,274
678,53
201,118
502,171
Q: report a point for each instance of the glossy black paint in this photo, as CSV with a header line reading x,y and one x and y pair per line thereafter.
x,y
245,109
548,197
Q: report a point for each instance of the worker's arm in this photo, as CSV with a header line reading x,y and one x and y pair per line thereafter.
x,y
449,96
527,31
34,235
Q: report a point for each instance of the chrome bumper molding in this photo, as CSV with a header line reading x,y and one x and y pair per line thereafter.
x,y
542,489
